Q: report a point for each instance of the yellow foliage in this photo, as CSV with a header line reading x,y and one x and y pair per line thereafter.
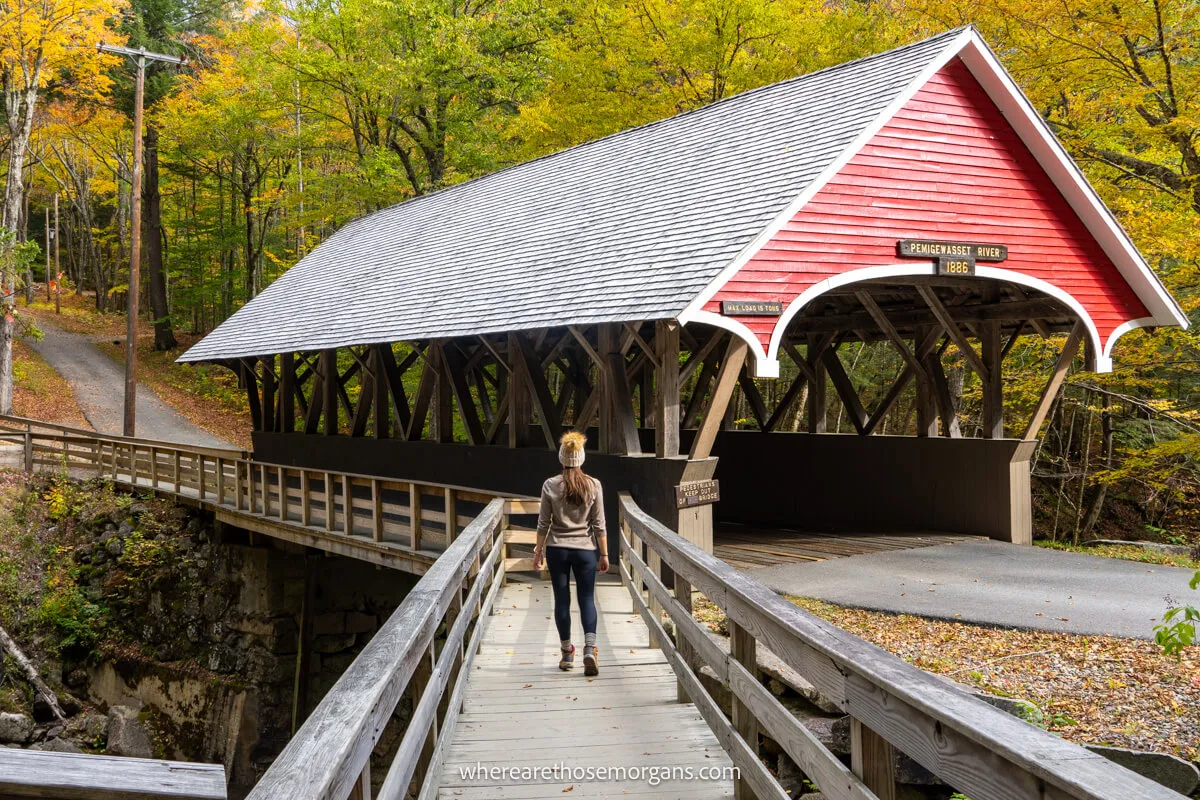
x,y
46,41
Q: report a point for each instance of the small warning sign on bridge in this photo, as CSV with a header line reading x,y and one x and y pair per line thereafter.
x,y
697,493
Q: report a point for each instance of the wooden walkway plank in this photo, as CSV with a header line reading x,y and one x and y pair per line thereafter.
x,y
521,712
749,546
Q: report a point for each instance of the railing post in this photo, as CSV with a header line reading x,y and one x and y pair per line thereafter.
x,y
29,449
250,499
305,500
655,564
872,760
154,467
451,516
414,516
347,506
283,498
376,511
329,514
420,683
683,596
742,650
203,476
266,489
362,786
178,466
505,525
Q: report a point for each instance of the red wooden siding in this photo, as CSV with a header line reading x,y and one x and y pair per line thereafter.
x,y
947,166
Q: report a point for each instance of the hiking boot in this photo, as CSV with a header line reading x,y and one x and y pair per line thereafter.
x,y
567,661
591,666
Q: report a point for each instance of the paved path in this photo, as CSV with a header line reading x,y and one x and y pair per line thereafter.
x,y
521,712
99,386
994,583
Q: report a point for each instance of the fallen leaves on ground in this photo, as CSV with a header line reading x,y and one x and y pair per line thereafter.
x,y
1127,552
39,392
1091,689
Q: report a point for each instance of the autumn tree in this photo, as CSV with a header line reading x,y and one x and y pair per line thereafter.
x,y
42,44
418,86
617,65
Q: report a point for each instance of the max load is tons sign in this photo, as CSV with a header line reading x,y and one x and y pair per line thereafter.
x,y
697,493
751,308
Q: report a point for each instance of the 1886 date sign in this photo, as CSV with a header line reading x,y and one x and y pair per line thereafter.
x,y
952,258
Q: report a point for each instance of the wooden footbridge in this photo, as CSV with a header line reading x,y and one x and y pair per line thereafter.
x,y
474,650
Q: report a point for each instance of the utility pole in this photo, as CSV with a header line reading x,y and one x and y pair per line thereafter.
x,y
140,57
57,263
48,250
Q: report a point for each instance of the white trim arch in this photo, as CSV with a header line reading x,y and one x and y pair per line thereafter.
x,y
1124,328
1101,354
763,367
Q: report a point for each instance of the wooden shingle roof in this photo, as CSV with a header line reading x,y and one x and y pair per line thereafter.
x,y
633,226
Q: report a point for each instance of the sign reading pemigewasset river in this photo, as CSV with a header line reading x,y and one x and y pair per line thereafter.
x,y
925,248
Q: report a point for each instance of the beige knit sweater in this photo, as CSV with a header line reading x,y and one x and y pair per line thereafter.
x,y
563,524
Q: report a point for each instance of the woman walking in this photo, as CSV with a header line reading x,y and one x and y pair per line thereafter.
x,y
571,539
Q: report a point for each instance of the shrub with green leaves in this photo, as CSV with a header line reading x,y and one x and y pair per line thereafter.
x,y
1178,628
76,621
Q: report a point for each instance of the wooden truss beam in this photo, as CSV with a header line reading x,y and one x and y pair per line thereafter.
x,y
908,317
885,325
543,401
901,383
949,324
666,410
754,397
846,391
714,415
793,391
287,393
1056,381
421,403
456,369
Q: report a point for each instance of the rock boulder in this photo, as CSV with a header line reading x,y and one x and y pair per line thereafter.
x,y
15,728
126,734
1170,771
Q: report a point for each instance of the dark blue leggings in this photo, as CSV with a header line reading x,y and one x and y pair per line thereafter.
x,y
562,561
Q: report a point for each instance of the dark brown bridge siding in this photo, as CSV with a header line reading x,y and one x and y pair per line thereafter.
x,y
519,471
812,482
846,483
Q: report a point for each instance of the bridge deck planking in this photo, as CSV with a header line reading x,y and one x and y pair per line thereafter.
x,y
750,546
520,710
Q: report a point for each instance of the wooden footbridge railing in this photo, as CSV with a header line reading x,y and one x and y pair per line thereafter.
x,y
399,524
426,648
75,776
979,750
330,756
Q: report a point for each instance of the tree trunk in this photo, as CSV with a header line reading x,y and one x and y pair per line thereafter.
x,y
18,106
164,336
1106,432
248,212
31,674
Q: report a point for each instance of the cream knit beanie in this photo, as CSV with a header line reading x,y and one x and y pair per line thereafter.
x,y
570,450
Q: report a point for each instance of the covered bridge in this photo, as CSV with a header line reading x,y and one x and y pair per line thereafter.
x,y
635,285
